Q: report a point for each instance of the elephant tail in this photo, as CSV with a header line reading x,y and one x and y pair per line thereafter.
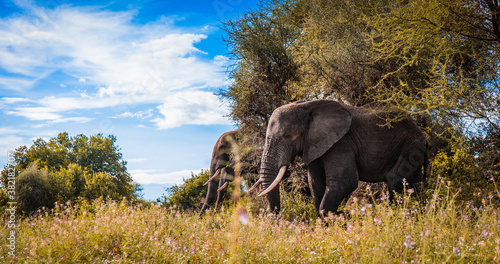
x,y
427,163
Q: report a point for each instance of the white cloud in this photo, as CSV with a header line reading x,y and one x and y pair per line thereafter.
x,y
220,60
160,177
35,113
14,100
78,120
191,108
118,62
16,84
140,115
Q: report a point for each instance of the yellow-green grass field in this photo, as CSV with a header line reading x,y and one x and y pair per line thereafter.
x,y
438,230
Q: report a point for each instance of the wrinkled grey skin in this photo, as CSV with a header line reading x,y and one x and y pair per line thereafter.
x,y
220,161
340,145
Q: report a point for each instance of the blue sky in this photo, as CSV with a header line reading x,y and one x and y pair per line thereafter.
x,y
144,71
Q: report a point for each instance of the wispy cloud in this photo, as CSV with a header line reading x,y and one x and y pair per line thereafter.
x,y
117,61
160,177
140,115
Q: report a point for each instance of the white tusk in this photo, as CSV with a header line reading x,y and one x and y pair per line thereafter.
x,y
256,184
275,182
223,186
213,177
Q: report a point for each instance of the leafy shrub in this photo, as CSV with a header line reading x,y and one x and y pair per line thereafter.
x,y
187,195
37,188
69,183
33,189
71,168
458,170
99,184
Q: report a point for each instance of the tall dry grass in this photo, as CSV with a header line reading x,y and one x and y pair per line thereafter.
x,y
371,231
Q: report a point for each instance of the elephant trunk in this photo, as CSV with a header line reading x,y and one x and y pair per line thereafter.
x,y
270,177
209,199
213,183
275,182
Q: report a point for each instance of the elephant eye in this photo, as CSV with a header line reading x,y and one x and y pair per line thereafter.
x,y
287,136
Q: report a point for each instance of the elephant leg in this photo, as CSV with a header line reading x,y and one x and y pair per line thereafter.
x,y
316,182
273,197
338,189
341,179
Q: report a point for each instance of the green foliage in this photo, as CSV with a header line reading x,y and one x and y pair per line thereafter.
x,y
69,183
454,164
458,169
438,69
34,189
296,206
100,184
296,201
429,58
94,154
69,168
433,60
263,45
189,194
334,51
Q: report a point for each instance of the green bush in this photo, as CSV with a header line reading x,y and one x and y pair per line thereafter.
x,y
69,183
99,184
458,170
33,189
68,168
36,188
296,206
187,195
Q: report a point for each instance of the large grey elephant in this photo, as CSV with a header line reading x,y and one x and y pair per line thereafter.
x,y
222,167
340,144
221,170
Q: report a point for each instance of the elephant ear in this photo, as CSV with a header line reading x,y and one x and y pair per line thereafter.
x,y
329,122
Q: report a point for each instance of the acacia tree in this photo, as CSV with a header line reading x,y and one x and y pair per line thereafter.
x,y
334,51
453,46
434,60
262,43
